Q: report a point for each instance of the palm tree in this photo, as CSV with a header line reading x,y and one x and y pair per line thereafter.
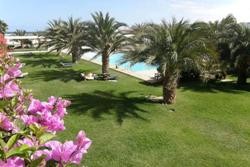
x,y
232,42
21,33
66,35
105,38
3,27
240,52
170,46
218,33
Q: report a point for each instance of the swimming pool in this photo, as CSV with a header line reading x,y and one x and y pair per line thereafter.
x,y
114,60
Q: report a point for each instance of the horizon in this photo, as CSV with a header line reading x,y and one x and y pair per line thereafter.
x,y
32,15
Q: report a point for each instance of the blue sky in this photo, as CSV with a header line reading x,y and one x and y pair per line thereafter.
x,y
33,15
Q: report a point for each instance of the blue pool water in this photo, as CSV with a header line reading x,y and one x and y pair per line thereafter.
x,y
115,60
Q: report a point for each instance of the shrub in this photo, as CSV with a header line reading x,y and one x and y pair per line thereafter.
x,y
27,125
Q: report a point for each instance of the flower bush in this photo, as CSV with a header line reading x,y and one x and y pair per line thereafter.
x,y
28,125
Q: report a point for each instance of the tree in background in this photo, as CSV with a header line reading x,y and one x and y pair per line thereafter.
x,y
23,42
3,27
170,46
240,52
216,33
105,37
66,35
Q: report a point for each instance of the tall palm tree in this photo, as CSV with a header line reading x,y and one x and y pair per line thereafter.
x,y
170,46
3,27
66,35
218,33
21,33
240,52
232,42
105,38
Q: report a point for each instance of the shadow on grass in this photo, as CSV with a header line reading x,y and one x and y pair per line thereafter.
x,y
51,68
100,102
215,87
211,87
157,84
43,60
62,74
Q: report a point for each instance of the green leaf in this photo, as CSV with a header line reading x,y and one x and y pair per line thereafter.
x,y
3,104
19,123
22,151
33,128
13,139
14,101
44,148
37,161
38,131
46,137
51,163
2,143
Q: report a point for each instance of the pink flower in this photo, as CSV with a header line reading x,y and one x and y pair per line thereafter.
x,y
35,106
29,119
61,111
68,153
52,100
9,90
47,107
62,152
44,114
52,122
32,142
20,108
13,162
4,78
5,123
61,107
83,143
46,119
15,71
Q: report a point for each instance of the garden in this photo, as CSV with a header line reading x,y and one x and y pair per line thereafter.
x,y
52,117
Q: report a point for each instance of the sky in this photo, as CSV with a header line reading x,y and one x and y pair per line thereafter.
x,y
33,15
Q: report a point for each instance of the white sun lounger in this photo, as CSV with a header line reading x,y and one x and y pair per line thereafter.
x,y
87,77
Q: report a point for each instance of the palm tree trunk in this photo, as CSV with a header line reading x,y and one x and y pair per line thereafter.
x,y
105,64
75,56
243,63
74,59
22,44
169,90
242,77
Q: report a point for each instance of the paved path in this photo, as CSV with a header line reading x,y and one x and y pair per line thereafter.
x,y
24,52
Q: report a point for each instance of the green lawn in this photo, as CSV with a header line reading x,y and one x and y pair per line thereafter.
x,y
211,125
29,49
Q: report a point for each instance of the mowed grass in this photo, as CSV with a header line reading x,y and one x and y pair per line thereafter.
x,y
210,126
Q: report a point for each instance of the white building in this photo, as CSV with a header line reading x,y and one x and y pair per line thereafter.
x,y
14,40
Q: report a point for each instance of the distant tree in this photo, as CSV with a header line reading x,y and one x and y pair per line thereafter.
x,y
20,32
3,27
66,35
22,41
232,42
170,46
105,37
240,52
218,33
